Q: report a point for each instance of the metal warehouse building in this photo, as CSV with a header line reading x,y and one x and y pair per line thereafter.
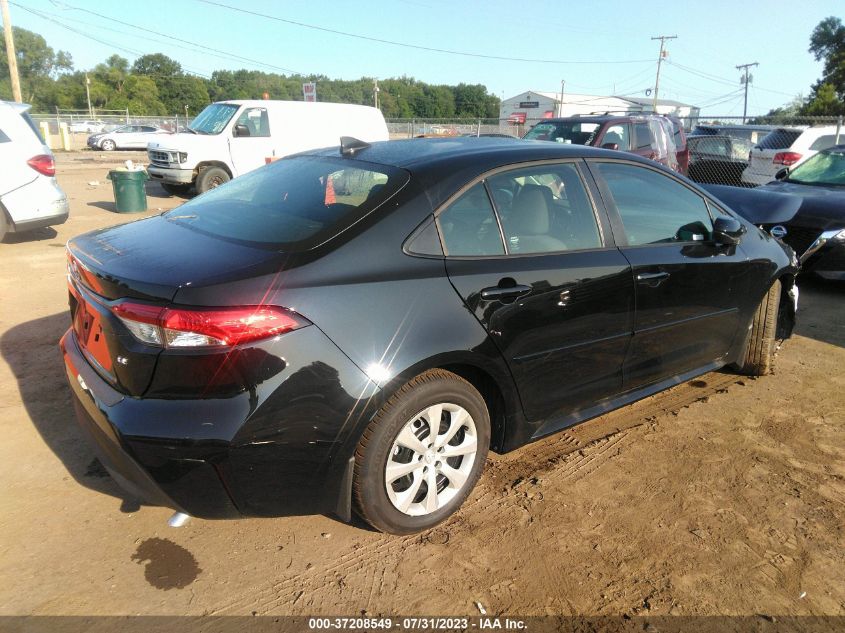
x,y
529,107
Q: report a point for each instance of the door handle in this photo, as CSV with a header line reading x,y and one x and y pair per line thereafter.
x,y
652,279
497,293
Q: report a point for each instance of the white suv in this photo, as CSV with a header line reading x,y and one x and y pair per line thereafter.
x,y
30,197
786,147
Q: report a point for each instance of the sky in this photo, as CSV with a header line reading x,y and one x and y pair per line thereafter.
x,y
509,46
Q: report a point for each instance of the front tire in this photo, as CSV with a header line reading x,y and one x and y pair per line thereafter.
x,y
422,454
211,177
759,356
108,145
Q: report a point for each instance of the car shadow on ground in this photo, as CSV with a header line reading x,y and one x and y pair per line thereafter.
x,y
32,351
821,310
36,235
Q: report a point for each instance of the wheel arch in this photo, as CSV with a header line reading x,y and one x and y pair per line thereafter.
x,y
212,163
493,383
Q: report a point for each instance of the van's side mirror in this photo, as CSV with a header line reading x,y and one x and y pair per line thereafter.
x,y
610,146
727,230
782,174
241,130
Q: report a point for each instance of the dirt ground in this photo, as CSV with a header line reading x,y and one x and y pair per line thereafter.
x,y
722,496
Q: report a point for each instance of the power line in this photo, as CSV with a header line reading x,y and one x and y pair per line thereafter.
x,y
95,39
225,54
414,46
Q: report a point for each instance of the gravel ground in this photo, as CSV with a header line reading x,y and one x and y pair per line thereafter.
x,y
722,496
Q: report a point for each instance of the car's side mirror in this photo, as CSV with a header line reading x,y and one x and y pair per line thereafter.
x,y
610,146
728,230
241,130
782,174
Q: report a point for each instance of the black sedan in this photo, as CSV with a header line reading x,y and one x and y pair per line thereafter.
x,y
817,231
353,328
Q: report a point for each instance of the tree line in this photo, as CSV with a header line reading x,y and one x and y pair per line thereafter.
x,y
157,85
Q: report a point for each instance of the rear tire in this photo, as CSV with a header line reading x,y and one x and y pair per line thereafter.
x,y
759,356
435,429
211,177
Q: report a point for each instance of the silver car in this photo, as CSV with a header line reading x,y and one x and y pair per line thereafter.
x,y
30,197
125,137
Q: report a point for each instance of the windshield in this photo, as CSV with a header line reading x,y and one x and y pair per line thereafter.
x,y
825,168
213,118
574,132
292,204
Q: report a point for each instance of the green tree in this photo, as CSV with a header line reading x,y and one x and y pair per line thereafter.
x,y
827,44
38,66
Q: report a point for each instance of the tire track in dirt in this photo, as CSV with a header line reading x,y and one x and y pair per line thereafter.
x,y
497,494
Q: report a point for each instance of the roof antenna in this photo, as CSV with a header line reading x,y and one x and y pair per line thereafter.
x,y
349,145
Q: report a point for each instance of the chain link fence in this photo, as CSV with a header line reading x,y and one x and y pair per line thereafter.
x,y
750,152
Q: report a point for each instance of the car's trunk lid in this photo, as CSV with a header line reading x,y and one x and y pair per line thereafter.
x,y
148,262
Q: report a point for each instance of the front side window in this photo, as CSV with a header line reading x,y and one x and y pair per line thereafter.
x,y
292,204
619,135
468,226
655,208
254,122
544,209
823,142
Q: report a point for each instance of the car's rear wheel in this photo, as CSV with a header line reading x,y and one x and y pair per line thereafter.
x,y
759,357
211,177
422,454
107,145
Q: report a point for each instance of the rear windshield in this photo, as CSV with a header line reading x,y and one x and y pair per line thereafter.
x,y
293,204
779,139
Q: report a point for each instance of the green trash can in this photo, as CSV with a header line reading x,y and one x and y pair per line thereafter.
x,y
129,193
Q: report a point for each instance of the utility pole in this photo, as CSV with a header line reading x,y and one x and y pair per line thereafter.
x,y
10,52
746,79
375,92
660,57
562,84
88,94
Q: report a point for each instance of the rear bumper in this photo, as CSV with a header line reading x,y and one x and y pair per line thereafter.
x,y
278,450
36,205
174,176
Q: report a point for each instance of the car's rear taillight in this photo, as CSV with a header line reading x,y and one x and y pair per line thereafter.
x,y
43,164
786,158
205,327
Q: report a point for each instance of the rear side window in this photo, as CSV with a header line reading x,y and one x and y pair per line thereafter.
x,y
779,139
655,208
469,227
292,204
548,210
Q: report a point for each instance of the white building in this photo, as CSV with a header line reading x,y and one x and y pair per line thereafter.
x,y
529,107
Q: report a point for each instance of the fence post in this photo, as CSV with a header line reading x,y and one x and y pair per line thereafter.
x,y
838,128
479,127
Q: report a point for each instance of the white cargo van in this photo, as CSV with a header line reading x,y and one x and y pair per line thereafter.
x,y
230,138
